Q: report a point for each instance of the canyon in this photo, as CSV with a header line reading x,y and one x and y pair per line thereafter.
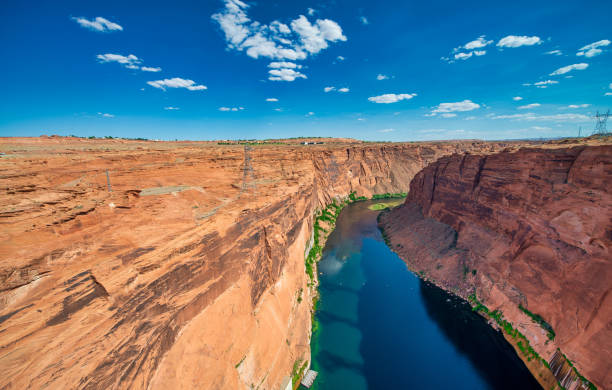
x,y
142,264
526,236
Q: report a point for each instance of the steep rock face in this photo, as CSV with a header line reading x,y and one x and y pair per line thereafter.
x,y
530,228
170,265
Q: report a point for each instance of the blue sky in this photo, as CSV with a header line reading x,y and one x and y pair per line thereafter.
x,y
226,69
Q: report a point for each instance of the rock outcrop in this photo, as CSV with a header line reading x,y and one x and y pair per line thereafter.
x,y
127,264
529,232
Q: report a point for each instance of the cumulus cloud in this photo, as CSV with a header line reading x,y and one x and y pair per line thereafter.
x,y
468,50
448,115
176,82
150,69
170,108
271,99
340,58
517,98
518,41
386,130
463,56
593,49
578,105
106,115
391,98
542,84
364,20
311,11
276,41
341,90
382,77
555,118
129,61
288,65
528,106
477,43
285,74
569,68
99,24
226,109
465,105
608,94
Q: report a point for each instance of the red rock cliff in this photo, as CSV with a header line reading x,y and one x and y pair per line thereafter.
x,y
530,228
167,264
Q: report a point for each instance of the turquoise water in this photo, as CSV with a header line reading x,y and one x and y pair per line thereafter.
x,y
381,327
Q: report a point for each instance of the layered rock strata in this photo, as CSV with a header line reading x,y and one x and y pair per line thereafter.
x,y
530,233
128,264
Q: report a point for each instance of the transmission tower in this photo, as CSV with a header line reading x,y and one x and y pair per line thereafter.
x,y
600,124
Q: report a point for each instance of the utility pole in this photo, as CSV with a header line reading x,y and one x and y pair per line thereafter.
x,y
108,181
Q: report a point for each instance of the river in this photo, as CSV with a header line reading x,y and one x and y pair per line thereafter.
x,y
381,327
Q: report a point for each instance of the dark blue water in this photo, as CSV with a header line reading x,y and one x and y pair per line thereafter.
x,y
380,327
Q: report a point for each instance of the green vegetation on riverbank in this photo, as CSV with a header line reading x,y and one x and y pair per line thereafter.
x,y
390,195
522,342
539,320
386,205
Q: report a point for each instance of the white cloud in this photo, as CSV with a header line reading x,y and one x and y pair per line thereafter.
x,y
311,11
285,74
288,65
542,84
234,109
608,94
386,130
364,20
105,115
569,68
610,85
477,43
276,41
341,90
448,115
98,24
315,38
592,49
528,106
391,98
466,105
533,117
130,61
540,128
278,109
176,82
382,77
150,69
517,98
554,52
310,114
463,56
518,41
271,99
170,108
578,106
340,58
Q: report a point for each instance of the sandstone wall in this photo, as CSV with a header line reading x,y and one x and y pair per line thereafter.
x,y
532,227
189,273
